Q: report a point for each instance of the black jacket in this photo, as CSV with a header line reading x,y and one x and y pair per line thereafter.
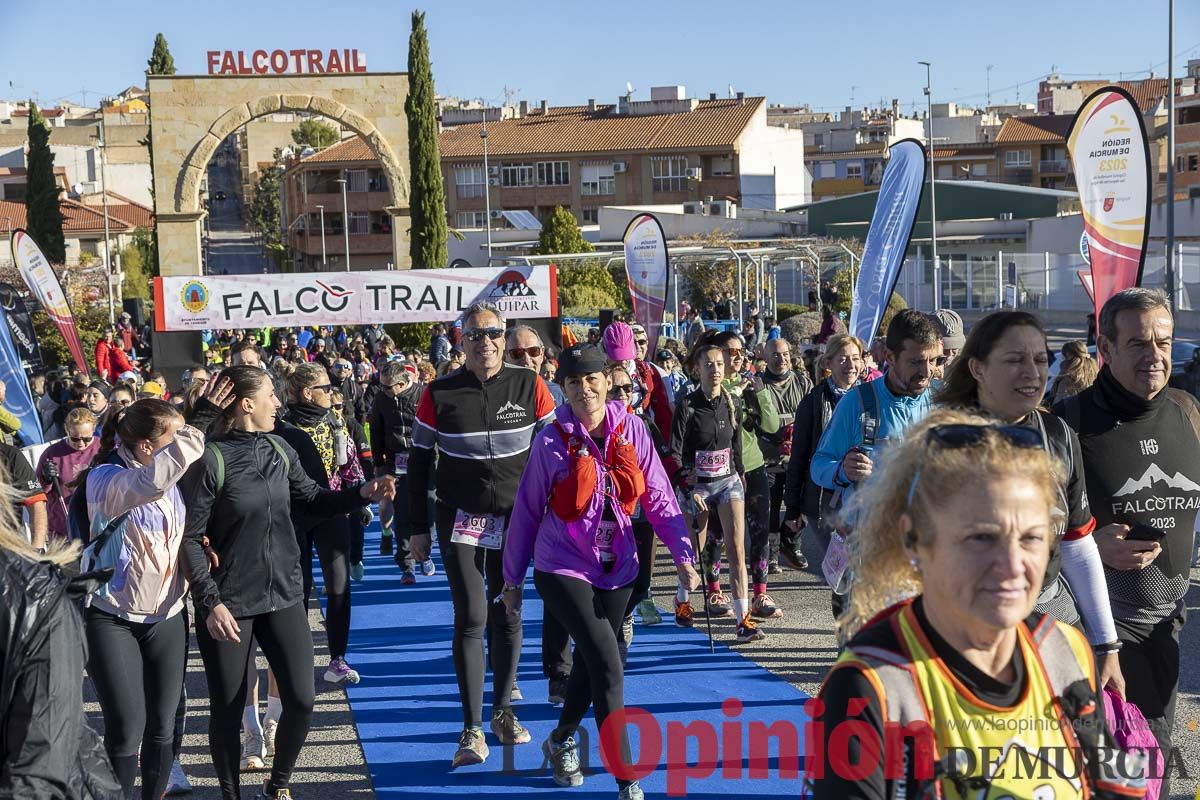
x,y
703,424
801,494
392,422
249,524
49,750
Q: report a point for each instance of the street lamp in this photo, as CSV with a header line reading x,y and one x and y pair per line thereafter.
x,y
937,270
487,187
345,222
323,261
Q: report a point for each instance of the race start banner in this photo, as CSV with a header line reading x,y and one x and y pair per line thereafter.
x,y
40,278
350,298
887,238
648,271
1112,169
19,399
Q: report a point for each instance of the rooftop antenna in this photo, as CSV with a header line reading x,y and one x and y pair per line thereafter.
x,y
852,90
629,90
730,91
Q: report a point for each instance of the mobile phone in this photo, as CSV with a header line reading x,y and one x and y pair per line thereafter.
x,y
862,448
1144,533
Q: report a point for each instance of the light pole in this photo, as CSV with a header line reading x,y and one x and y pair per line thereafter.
x,y
345,222
937,268
487,187
108,266
1170,205
323,259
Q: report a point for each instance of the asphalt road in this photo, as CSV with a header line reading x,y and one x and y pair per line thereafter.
x,y
232,249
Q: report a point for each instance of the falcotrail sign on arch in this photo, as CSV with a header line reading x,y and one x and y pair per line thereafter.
x,y
350,298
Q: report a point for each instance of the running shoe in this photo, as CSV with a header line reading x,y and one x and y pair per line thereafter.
x,y
773,568
178,783
718,605
790,555
763,607
341,672
748,631
684,614
631,792
252,752
508,728
472,749
627,629
407,578
428,568
278,794
516,692
356,571
564,759
557,692
385,544
649,612
270,728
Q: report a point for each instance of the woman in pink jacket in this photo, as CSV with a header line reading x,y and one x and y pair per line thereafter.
x,y
585,474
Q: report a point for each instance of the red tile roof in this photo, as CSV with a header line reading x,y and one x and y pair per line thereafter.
x,y
868,149
575,129
982,150
50,113
1146,93
353,149
1032,130
78,218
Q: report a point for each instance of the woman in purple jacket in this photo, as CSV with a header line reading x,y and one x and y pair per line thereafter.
x,y
584,476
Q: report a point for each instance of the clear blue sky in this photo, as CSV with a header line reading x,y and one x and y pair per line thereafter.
x,y
792,52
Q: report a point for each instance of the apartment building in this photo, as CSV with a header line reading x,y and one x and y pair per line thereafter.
x,y
1032,151
667,150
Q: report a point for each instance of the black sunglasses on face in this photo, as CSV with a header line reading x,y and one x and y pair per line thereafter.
x,y
520,352
339,406
959,436
620,389
321,387
479,334
641,342
81,439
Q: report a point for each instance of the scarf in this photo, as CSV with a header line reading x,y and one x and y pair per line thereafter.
x,y
1125,404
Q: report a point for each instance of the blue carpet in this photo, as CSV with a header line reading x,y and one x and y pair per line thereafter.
x,y
409,718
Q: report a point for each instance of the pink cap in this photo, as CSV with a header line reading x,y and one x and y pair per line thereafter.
x,y
618,342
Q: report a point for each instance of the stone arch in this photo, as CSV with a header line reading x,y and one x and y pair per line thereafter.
x,y
187,186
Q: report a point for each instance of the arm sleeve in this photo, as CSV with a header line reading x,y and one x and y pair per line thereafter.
x,y
125,489
420,464
200,494
843,433
659,503
660,404
846,685
678,445
528,510
1085,573
544,408
739,412
797,468
1080,522
204,415
767,413
313,500
9,421
377,436
123,364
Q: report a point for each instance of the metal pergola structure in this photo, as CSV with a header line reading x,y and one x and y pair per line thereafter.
x,y
757,267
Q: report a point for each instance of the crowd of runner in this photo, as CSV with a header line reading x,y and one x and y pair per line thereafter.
x,y
995,546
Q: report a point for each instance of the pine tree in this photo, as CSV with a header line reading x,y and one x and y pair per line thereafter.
x,y
161,61
561,234
427,196
45,218
315,133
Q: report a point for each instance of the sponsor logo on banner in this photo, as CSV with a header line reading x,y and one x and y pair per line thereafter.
x,y
648,272
349,298
40,278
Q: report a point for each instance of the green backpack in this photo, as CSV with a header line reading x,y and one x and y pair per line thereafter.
x,y
220,459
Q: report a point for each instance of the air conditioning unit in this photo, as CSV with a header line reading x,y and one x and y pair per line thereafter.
x,y
497,215
619,166
695,207
494,170
493,181
694,173
722,208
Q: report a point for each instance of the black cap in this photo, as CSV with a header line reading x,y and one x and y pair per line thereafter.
x,y
665,354
581,359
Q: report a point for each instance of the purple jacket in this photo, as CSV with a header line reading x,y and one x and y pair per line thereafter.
x,y
570,548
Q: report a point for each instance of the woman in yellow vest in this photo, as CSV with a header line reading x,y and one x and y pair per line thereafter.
x,y
949,685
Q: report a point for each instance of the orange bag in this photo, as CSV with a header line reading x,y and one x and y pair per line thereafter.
x,y
571,496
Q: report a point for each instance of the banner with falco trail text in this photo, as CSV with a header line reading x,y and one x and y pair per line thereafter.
x,y
648,271
887,238
1111,160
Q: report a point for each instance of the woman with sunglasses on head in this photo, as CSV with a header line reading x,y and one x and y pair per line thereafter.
x,y
945,651
1002,372
136,628
240,499
62,463
482,421
330,459
586,472
706,440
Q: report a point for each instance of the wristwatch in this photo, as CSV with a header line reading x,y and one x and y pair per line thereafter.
x,y
1108,648
508,587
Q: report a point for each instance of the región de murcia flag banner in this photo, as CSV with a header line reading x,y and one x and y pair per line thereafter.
x,y
648,271
40,278
1112,169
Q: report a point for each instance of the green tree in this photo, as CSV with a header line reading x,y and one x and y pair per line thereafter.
x,y
315,133
265,211
135,266
427,196
161,63
45,218
561,234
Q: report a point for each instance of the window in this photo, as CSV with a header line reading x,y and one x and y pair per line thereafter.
x,y
827,169
819,139
553,173
469,181
591,216
1193,163
721,166
669,173
360,222
516,175
596,179
945,170
979,170
854,171
470,219
1017,158
356,180
376,181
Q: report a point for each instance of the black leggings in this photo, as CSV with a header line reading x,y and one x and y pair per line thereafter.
x,y
332,538
138,669
758,499
1150,664
357,529
286,641
643,534
593,618
465,567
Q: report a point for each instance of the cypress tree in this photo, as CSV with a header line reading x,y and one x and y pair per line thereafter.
x,y
427,196
561,234
161,63
45,218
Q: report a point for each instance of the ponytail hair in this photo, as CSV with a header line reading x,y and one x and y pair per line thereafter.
x,y
300,376
142,420
246,380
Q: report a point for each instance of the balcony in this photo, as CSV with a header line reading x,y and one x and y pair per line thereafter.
x,y
1018,173
335,244
1054,166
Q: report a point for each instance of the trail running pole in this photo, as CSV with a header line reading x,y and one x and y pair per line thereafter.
x,y
698,503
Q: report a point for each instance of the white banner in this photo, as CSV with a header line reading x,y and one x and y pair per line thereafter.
x,y
350,298
648,270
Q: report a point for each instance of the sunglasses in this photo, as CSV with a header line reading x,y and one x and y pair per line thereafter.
x,y
959,436
619,389
81,439
520,352
338,406
641,342
341,367
479,334
321,387
736,352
